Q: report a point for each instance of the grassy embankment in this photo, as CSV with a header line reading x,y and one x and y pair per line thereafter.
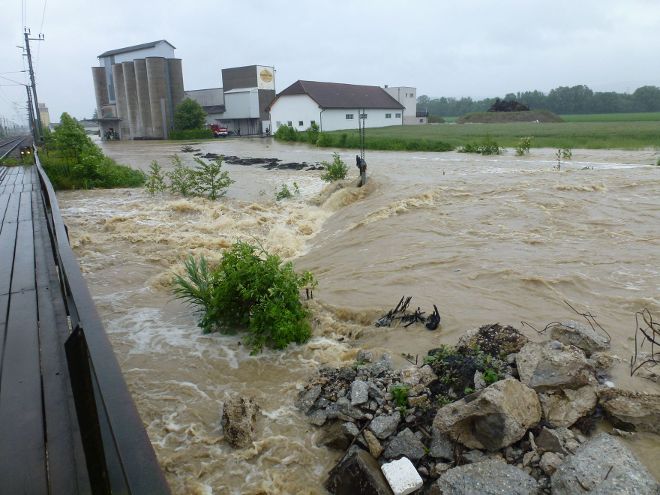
x,y
580,131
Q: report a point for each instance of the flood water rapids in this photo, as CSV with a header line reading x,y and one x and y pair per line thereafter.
x,y
487,239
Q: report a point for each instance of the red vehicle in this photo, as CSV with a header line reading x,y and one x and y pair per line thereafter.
x,y
219,131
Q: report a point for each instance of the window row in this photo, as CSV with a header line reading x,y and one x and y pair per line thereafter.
x,y
350,116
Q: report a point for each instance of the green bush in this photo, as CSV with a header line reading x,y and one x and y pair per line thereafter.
x,y
191,134
155,182
334,171
324,140
312,133
286,193
487,147
210,180
286,133
72,161
182,178
189,115
249,289
523,146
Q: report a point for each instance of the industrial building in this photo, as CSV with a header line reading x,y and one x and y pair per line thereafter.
x,y
334,106
137,89
241,104
407,96
44,115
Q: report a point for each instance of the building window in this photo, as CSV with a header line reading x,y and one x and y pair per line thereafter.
x,y
388,115
397,115
289,123
313,122
300,123
349,116
363,115
421,121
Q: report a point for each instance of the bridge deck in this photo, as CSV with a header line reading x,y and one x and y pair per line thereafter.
x,y
40,445
48,442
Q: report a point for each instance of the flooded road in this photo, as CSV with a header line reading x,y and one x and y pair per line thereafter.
x,y
486,239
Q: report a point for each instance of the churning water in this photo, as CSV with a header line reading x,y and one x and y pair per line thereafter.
x,y
486,239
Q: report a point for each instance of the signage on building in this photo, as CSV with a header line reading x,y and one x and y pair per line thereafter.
x,y
265,77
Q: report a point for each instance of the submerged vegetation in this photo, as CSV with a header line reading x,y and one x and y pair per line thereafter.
x,y
337,170
72,161
206,179
486,147
250,289
285,193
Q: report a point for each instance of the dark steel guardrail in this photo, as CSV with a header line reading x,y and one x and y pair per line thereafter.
x,y
119,455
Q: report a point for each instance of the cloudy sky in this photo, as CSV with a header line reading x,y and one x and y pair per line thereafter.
x,y
472,48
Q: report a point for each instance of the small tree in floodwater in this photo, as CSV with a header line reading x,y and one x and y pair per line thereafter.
x,y
155,182
210,180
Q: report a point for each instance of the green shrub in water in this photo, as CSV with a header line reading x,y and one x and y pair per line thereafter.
x,y
155,182
337,170
250,289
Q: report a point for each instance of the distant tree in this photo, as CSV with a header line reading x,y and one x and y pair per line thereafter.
x,y
189,115
508,105
647,99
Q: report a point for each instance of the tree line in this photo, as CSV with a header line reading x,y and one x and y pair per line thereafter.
x,y
562,100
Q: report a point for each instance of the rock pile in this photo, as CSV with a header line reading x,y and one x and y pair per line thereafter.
x,y
494,414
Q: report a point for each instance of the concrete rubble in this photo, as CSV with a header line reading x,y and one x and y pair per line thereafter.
x,y
511,417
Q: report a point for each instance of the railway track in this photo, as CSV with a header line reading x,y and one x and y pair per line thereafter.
x,y
9,145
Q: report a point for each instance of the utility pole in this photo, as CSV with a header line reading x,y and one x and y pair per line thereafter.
x,y
39,130
31,115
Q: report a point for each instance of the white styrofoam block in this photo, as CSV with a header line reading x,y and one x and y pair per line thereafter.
x,y
402,476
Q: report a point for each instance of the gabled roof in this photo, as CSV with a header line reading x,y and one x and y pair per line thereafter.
x,y
133,48
338,95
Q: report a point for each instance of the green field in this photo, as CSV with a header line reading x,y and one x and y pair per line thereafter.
x,y
588,135
614,117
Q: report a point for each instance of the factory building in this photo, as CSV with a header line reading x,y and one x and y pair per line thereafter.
x,y
334,106
241,104
137,89
44,115
407,96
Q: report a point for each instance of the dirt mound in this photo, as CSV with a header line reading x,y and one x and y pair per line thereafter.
x,y
504,117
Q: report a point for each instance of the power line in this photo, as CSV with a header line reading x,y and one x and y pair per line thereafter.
x,y
11,80
41,31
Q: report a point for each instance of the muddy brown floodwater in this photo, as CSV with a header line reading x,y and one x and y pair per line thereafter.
x,y
487,239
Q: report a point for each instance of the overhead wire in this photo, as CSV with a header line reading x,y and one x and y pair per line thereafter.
x,y
41,30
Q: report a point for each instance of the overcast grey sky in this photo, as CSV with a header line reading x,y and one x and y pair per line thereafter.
x,y
472,48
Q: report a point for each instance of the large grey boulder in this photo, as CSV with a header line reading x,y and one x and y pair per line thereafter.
x,y
565,407
491,419
632,411
358,472
581,336
239,419
603,466
552,366
405,444
492,477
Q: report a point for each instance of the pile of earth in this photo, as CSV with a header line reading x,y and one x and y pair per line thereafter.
x,y
537,116
496,413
